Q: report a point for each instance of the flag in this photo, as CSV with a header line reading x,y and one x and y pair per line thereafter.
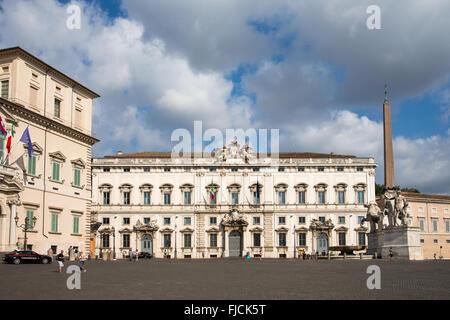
x,y
26,139
212,191
11,134
257,189
2,128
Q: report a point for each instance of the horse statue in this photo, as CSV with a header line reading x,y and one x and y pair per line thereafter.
x,y
388,207
374,216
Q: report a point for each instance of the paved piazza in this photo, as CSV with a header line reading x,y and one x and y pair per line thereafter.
x,y
230,279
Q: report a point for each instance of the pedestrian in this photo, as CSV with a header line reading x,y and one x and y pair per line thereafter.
x,y
124,254
165,253
137,256
50,252
130,254
82,260
390,253
60,259
434,256
260,254
96,252
248,255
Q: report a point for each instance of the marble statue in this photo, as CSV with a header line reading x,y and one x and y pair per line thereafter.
x,y
374,216
400,208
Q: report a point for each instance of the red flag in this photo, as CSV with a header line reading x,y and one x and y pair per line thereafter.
x,y
8,144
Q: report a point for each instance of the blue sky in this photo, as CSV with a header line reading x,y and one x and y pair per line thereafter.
x,y
311,69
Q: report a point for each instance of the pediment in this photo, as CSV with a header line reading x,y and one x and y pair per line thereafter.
x,y
7,117
282,229
58,155
78,163
36,147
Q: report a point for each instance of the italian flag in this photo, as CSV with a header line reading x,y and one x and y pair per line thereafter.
x,y
11,134
212,191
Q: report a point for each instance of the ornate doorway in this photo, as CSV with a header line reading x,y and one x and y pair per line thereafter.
x,y
147,244
322,243
235,241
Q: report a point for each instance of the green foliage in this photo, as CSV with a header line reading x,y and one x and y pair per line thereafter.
x,y
379,189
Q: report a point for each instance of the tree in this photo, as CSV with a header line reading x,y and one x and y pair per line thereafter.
x,y
379,189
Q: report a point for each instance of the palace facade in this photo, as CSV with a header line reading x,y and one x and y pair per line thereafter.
x,y
207,208
52,186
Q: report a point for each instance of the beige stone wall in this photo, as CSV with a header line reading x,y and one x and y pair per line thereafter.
x,y
428,210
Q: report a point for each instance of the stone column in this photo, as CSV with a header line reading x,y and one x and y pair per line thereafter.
x,y
389,180
12,226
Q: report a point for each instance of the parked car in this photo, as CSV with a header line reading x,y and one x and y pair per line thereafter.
x,y
26,256
145,255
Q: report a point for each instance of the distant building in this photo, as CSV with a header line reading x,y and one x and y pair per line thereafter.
x,y
430,212
152,203
54,184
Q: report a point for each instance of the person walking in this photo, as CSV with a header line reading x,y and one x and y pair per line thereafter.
x,y
130,254
434,256
260,254
82,260
137,256
60,259
390,254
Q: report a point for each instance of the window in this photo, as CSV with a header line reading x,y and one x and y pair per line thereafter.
x,y
256,220
321,169
435,240
212,169
5,89
341,220
30,215
166,197
33,96
362,238
340,169
187,169
422,224
280,169
54,249
360,218
166,221
420,209
76,225
106,197
146,169
126,197
31,165
322,219
341,197
167,240
434,210
187,240
146,220
281,220
301,169
55,171
302,239
282,239
126,240
360,197
301,197
255,169
126,220
257,240
105,240
166,169
234,169
359,169
341,238
106,169
321,197
301,220
146,197
213,240
126,169
76,177
187,221
281,197
187,197
435,225
213,197
256,197
423,241
57,111
447,225
212,220
54,226
234,198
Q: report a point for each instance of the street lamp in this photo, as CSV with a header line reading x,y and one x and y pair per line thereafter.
x,y
293,232
175,251
114,242
25,227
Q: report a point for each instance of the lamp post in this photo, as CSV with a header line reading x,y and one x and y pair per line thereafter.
x,y
175,251
25,227
293,232
114,242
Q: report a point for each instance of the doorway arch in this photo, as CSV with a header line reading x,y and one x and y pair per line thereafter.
x,y
235,243
322,243
147,243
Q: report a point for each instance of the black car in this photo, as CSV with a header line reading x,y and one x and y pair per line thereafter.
x,y
145,255
26,256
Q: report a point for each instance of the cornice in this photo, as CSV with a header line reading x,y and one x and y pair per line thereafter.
x,y
39,119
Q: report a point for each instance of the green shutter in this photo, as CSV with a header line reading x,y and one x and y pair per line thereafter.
x,y
54,223
76,222
55,175
76,178
30,215
32,165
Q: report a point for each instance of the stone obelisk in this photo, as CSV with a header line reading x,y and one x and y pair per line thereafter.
x,y
389,180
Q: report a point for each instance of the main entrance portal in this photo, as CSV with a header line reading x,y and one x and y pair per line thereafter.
x,y
147,244
322,243
235,243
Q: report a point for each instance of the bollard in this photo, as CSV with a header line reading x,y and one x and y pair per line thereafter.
x,y
329,255
361,255
376,255
345,255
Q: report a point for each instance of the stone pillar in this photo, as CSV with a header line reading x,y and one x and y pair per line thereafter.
x,y
389,180
12,228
